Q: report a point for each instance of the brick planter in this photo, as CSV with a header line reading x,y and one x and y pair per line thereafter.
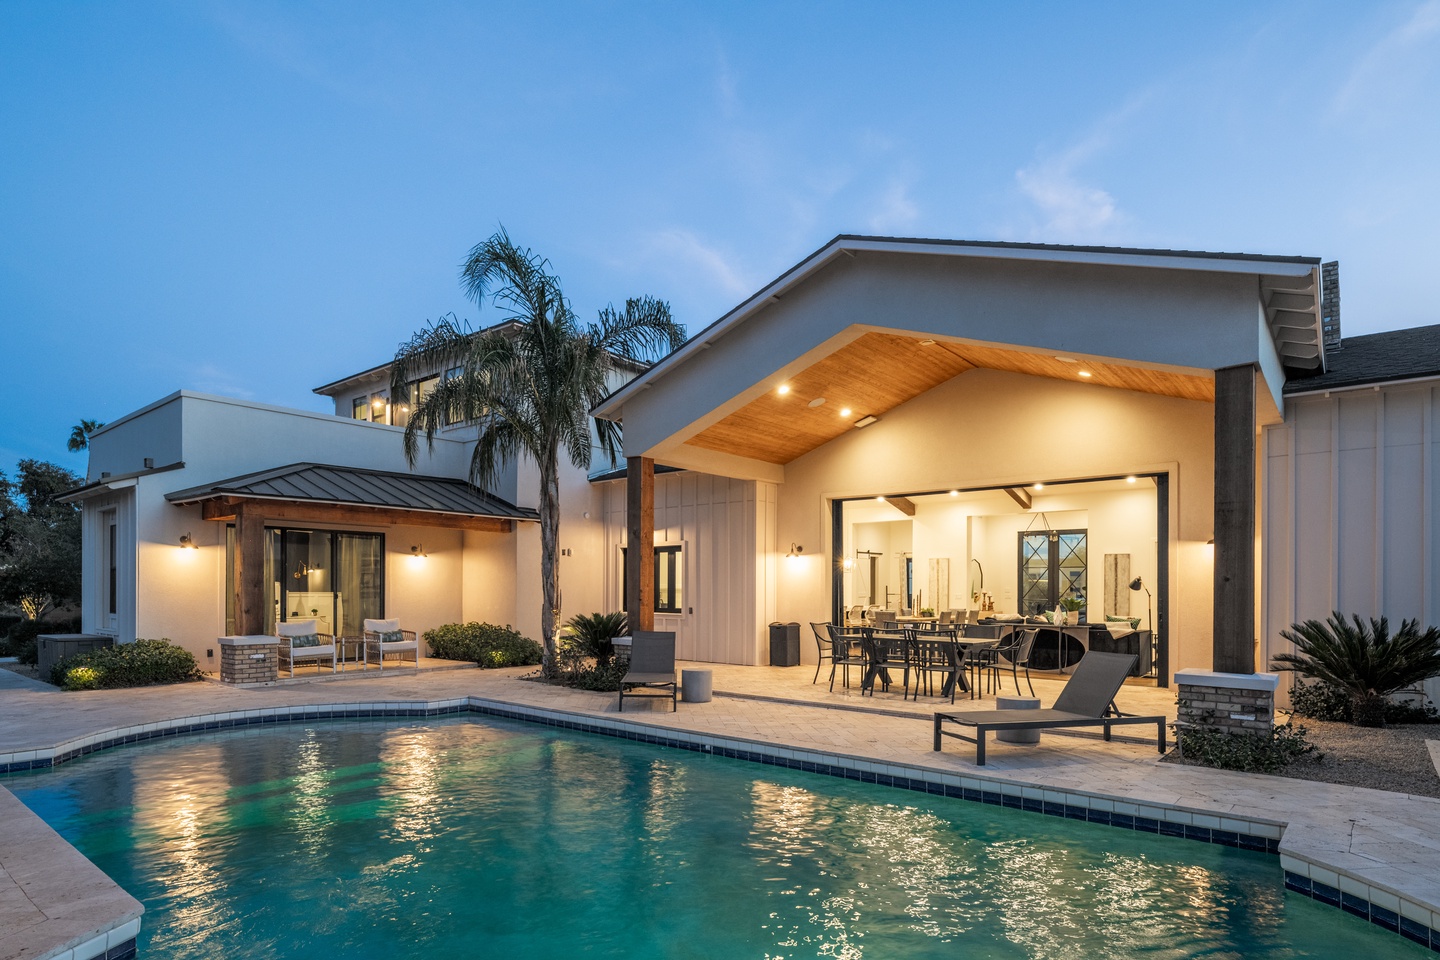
x,y
253,659
1232,702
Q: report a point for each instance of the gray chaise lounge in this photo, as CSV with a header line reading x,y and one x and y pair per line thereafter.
x,y
652,666
1087,697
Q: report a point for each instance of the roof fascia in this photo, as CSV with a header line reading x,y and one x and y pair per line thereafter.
x,y
847,245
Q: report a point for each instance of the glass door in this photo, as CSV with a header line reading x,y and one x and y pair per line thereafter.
x,y
1052,569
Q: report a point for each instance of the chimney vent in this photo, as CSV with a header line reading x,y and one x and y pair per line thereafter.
x,y
1330,304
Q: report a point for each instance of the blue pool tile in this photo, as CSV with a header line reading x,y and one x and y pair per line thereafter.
x,y
1417,932
1299,884
1325,893
1388,919
1359,906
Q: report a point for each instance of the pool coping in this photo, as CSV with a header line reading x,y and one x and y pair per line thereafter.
x,y
1310,876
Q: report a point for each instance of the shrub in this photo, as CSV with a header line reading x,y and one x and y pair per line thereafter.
x,y
592,635
21,640
1251,753
138,664
1363,660
1322,701
484,644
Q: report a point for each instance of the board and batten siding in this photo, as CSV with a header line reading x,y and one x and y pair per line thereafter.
x,y
726,529
1351,509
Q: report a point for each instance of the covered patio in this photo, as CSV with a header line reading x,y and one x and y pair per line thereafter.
x,y
887,382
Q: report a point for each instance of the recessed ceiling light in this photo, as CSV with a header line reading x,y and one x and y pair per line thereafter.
x,y
783,389
845,411
1038,486
879,499
1067,359
817,402
1086,374
1129,479
866,421
954,493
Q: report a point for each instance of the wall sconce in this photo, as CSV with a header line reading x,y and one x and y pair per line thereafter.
x,y
418,551
795,551
848,563
186,543
305,570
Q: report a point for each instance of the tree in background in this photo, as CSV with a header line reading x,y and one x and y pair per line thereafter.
x,y
39,539
529,387
80,435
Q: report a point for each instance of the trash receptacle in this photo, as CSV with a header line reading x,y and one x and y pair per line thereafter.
x,y
784,644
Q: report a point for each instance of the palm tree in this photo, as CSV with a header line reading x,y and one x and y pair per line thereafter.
x,y
1363,660
529,387
80,435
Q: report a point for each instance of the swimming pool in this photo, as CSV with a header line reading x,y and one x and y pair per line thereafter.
x,y
451,837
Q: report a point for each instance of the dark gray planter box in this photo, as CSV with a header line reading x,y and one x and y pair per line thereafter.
x,y
54,647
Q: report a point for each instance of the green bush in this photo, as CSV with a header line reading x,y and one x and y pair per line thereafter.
x,y
484,644
138,664
1323,701
592,635
1212,747
21,640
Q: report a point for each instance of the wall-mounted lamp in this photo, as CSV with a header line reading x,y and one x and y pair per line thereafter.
x,y
186,543
305,570
848,563
795,551
418,551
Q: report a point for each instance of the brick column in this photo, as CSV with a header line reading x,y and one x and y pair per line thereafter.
x,y
251,659
1232,702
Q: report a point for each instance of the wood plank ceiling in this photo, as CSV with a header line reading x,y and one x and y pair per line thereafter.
x,y
879,371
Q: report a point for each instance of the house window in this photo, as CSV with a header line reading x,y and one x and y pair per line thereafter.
x,y
114,566
415,392
668,578
1052,569
360,408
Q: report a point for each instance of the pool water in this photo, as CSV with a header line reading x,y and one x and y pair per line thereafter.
x,y
456,837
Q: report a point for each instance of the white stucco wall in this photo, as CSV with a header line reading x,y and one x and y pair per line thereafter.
x,y
985,428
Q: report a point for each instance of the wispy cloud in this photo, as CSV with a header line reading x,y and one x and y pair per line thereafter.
x,y
209,378
896,210
687,252
1391,66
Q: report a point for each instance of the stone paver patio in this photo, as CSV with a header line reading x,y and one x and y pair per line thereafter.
x,y
1381,846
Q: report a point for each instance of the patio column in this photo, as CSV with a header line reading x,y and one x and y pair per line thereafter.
x,y
249,571
1234,622
640,547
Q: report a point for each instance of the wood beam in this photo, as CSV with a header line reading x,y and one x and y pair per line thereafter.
x,y
640,546
1020,495
227,509
904,504
1234,617
249,572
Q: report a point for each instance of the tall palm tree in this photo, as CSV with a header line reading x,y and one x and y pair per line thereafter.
x,y
529,387
80,435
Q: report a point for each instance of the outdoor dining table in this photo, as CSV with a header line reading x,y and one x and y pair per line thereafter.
x,y
884,649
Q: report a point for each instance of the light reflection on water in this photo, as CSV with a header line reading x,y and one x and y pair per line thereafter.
x,y
454,837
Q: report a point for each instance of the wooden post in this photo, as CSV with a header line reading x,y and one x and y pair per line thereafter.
x,y
640,549
249,571
1234,621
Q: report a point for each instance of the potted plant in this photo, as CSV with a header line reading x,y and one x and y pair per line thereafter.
x,y
927,611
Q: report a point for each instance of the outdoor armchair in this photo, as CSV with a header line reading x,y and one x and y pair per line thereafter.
x,y
1086,701
300,640
385,637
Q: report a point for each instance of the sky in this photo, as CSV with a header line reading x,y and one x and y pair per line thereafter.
x,y
256,198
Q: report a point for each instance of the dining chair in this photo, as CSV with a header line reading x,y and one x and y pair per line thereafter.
x,y
846,651
883,650
1014,652
928,653
823,649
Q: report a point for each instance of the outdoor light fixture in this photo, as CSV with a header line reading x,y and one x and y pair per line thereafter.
x,y
418,551
866,421
783,389
186,543
848,563
844,411
1130,479
795,551
1038,486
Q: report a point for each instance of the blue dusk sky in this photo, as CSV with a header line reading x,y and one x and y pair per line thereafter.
x,y
256,198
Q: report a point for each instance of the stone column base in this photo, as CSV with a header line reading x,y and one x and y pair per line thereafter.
x,y
1232,702
254,659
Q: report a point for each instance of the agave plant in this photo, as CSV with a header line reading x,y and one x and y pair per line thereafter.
x,y
593,634
1363,660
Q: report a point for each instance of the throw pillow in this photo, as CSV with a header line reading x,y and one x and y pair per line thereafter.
x,y
391,636
307,640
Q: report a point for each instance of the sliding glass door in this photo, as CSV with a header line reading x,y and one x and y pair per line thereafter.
x,y
334,577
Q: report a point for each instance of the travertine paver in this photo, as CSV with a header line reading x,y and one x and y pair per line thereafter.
x,y
1391,841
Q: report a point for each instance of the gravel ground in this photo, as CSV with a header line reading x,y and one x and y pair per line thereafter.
x,y
1394,758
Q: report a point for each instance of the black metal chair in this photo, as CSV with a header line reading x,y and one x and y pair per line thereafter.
x,y
652,667
1013,652
883,649
930,652
822,650
846,651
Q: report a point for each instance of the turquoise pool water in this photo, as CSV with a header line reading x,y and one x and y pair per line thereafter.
x,y
457,837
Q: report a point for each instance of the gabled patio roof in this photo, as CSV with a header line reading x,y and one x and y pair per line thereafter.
x,y
377,490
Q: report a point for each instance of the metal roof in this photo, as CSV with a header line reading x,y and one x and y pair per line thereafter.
x,y
1408,354
354,486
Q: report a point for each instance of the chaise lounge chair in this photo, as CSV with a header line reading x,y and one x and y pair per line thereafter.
x,y
1085,701
652,666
